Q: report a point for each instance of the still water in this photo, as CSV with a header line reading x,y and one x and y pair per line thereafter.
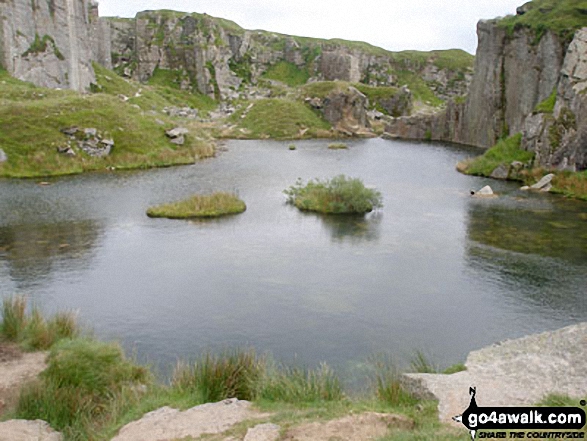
x,y
434,270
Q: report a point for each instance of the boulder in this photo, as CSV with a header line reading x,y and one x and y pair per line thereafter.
x,y
180,140
544,182
3,157
484,192
501,172
70,131
177,132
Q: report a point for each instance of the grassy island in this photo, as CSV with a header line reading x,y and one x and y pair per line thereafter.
x,y
202,206
339,195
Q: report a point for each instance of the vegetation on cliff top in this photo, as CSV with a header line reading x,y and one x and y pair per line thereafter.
x,y
202,206
563,17
339,195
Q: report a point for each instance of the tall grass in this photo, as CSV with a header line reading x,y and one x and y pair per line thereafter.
x,y
298,385
213,205
84,379
233,374
34,330
386,383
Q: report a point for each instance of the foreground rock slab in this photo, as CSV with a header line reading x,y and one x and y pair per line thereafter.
x,y
168,424
512,373
22,430
365,426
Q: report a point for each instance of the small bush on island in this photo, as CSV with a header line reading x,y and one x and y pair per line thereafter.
x,y
339,195
337,146
202,206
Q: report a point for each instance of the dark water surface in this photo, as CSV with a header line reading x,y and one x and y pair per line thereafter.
x,y
434,270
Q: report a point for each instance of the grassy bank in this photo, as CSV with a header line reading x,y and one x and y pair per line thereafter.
x,y
339,195
31,120
90,389
203,206
507,151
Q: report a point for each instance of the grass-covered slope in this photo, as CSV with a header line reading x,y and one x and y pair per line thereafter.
x,y
563,17
278,119
31,120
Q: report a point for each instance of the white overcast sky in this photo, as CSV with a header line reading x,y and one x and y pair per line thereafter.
x,y
392,24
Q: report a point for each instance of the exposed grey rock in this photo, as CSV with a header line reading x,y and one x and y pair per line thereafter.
x,y
91,132
263,432
484,192
62,54
545,181
167,423
346,110
177,132
501,172
182,112
70,131
23,430
67,150
180,140
512,373
3,157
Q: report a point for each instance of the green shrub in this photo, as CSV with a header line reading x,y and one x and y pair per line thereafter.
x,y
339,195
214,205
338,146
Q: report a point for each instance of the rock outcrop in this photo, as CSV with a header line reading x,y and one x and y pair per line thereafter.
x,y
512,373
218,58
514,73
52,43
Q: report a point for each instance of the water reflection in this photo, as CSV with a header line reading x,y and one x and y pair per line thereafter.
x,y
534,250
530,226
352,228
32,251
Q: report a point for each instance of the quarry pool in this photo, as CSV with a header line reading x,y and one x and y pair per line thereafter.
x,y
434,270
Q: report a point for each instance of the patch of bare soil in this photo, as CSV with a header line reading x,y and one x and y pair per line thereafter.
x,y
16,369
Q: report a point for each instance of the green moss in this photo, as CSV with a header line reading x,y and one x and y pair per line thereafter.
x,y
212,71
339,195
563,17
321,89
242,68
39,46
214,205
505,151
287,73
547,106
278,119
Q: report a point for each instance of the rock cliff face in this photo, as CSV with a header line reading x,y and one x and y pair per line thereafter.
x,y
513,74
222,60
52,43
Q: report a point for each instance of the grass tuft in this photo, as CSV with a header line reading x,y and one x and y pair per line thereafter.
x,y
233,374
387,385
13,317
339,195
203,206
297,385
338,146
